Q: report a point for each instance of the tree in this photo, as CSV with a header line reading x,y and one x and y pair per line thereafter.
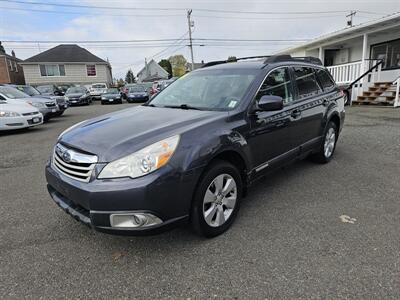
x,y
120,82
178,63
2,48
130,78
232,59
166,65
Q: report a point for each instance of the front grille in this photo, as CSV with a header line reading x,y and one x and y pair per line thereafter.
x,y
31,113
50,104
73,164
60,101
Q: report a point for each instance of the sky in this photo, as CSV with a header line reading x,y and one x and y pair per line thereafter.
x,y
284,21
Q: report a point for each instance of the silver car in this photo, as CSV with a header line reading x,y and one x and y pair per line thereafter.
x,y
47,107
61,101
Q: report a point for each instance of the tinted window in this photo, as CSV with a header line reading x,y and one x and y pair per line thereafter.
x,y
307,84
325,79
277,84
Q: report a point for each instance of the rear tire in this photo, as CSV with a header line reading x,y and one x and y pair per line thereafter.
x,y
216,200
328,144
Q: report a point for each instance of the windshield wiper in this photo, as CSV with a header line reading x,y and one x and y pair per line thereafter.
x,y
182,106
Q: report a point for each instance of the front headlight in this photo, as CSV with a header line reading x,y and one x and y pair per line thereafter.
x,y
143,161
82,97
8,114
66,98
118,97
38,104
103,98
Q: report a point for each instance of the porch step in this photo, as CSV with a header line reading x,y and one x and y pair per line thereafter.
x,y
381,93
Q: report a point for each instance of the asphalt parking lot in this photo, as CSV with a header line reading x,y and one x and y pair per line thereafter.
x,y
288,240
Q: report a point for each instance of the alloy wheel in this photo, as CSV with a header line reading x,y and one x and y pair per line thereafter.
x,y
219,200
329,144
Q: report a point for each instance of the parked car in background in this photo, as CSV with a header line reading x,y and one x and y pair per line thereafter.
x,y
47,107
78,95
137,93
111,95
165,83
96,90
64,87
17,115
190,153
125,89
61,101
50,90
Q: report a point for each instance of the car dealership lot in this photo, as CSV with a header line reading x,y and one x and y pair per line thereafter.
x,y
287,242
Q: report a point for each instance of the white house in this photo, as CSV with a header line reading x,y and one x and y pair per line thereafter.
x,y
351,52
152,71
66,64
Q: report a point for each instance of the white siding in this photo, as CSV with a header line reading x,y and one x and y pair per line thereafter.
x,y
74,74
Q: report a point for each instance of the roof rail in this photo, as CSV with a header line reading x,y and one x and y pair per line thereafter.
x,y
286,57
269,59
218,62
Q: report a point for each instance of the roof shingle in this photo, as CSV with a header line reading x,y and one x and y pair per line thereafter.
x,y
65,53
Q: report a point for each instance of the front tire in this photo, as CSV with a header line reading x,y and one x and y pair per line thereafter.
x,y
328,145
217,199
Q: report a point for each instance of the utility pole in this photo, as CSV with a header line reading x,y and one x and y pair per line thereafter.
x,y
190,24
351,15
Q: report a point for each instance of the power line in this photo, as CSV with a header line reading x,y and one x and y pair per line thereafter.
x,y
178,9
148,40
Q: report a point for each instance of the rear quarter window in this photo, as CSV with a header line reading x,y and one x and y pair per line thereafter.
x,y
325,79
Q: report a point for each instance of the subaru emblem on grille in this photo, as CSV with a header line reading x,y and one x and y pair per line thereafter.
x,y
66,156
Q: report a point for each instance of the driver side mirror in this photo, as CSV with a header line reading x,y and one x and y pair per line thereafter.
x,y
270,103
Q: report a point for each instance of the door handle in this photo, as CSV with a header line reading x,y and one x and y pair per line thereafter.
x,y
296,114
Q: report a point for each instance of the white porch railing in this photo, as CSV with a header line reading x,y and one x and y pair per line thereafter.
x,y
348,73
397,97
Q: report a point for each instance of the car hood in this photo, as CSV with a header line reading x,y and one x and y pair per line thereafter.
x,y
137,94
121,133
74,95
39,99
18,107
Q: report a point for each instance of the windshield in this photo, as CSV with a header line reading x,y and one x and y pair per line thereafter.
x,y
31,91
45,89
98,86
208,89
137,88
12,93
113,91
75,90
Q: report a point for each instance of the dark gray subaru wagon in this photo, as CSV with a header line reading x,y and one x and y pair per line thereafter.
x,y
189,154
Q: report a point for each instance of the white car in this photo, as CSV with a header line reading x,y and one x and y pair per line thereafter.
x,y
96,90
16,115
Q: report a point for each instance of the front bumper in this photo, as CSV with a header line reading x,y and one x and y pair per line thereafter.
x,y
48,112
137,99
77,101
20,122
164,194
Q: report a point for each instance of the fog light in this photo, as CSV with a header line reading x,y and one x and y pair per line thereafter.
x,y
133,220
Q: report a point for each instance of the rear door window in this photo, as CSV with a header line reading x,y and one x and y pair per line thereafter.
x,y
306,81
325,79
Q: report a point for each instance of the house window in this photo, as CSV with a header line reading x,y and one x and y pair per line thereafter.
x,y
52,70
389,52
11,65
15,67
91,70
